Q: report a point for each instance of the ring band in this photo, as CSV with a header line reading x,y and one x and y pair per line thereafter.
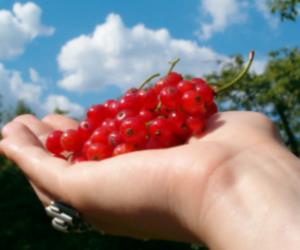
x,y
66,219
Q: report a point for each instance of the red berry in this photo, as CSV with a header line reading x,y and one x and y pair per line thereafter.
x,y
53,142
85,146
133,130
71,140
114,138
130,100
170,80
123,148
124,114
159,85
211,109
164,111
96,114
177,123
206,92
173,78
98,151
99,135
148,98
198,81
192,102
185,85
146,115
85,129
110,125
112,107
76,158
159,128
195,124
169,97
153,143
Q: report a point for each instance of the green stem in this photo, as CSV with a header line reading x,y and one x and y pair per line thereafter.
x,y
173,64
149,79
239,77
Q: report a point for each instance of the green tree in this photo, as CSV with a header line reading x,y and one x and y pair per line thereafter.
x,y
276,92
22,108
287,9
60,111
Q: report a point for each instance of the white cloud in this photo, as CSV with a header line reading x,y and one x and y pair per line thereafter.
x,y
123,56
19,26
63,103
259,66
222,13
263,8
13,88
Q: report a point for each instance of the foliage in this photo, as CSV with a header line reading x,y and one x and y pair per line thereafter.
x,y
60,111
276,92
21,108
286,8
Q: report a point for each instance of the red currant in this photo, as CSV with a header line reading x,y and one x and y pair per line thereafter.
x,y
124,114
185,85
71,140
85,129
169,97
112,107
98,151
53,142
146,115
99,135
133,130
173,78
177,123
114,138
148,98
192,102
123,148
195,124
96,114
159,128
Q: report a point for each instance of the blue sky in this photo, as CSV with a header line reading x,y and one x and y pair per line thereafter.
x,y
72,54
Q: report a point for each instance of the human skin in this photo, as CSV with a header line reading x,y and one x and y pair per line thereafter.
x,y
235,187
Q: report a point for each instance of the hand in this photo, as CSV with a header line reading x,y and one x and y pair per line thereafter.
x,y
216,188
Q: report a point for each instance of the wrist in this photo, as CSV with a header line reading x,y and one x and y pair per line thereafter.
x,y
253,198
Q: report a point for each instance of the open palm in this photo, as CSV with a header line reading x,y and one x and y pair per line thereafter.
x,y
163,194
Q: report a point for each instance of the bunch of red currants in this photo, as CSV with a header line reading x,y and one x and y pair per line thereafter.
x,y
164,115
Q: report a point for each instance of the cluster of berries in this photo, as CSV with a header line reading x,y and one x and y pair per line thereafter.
x,y
164,115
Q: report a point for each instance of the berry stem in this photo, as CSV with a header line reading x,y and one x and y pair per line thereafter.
x,y
149,79
173,64
239,77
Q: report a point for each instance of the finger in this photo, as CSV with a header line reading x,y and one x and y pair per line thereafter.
x,y
41,130
60,122
24,148
35,125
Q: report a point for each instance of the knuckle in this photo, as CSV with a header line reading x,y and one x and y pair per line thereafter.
x,y
262,118
14,125
266,123
25,117
51,117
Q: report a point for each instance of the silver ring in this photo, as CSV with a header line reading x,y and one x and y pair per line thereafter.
x,y
66,219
